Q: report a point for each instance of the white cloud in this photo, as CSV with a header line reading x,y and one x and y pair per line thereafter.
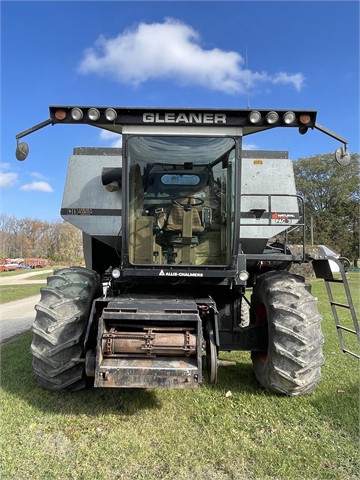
x,y
172,50
8,180
11,179
114,138
250,146
37,186
285,79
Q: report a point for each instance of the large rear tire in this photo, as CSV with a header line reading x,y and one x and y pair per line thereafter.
x,y
292,363
59,328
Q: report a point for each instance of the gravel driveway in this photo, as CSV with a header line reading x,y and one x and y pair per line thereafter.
x,y
17,317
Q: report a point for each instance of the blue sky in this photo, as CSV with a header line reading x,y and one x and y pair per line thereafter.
x,y
280,55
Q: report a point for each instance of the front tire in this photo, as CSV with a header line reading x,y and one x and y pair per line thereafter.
x,y
292,363
59,328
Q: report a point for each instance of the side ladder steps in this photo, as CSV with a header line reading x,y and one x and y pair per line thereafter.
x,y
322,269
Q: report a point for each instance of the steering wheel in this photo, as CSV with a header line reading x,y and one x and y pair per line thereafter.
x,y
197,202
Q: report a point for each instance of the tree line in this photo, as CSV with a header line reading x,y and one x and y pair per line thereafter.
x,y
30,237
331,194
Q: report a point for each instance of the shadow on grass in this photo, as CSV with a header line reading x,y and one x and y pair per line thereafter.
x,y
339,408
239,378
17,378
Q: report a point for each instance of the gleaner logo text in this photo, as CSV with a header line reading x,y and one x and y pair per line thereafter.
x,y
184,118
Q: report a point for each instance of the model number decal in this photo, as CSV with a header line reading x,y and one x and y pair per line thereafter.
x,y
282,217
79,211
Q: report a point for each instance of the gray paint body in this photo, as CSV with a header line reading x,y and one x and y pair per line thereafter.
x,y
86,202
97,212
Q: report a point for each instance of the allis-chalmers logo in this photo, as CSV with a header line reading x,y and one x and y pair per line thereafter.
x,y
182,117
180,274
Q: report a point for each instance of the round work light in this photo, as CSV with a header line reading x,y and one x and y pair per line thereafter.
x,y
289,118
77,114
93,114
255,117
271,118
110,114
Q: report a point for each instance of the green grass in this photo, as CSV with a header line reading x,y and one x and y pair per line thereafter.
x,y
172,434
40,276
9,293
26,270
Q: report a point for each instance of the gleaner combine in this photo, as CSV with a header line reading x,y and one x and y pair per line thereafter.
x,y
178,226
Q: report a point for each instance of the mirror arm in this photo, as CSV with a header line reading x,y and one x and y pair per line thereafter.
x,y
332,134
22,148
33,129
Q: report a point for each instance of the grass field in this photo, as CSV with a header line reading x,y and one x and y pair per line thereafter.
x,y
206,433
10,293
13,273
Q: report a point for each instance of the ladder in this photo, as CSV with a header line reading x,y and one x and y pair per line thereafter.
x,y
323,270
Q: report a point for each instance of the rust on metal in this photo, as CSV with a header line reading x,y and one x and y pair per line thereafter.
x,y
152,341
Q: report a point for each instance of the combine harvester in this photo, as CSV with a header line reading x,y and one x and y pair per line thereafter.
x,y
179,225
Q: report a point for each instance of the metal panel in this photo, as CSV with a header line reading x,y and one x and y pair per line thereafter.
x,y
182,130
265,154
261,177
86,202
165,372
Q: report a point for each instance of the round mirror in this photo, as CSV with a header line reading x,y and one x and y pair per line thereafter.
x,y
342,156
22,151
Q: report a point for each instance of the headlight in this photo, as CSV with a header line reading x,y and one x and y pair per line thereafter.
x,y
93,114
272,117
110,114
289,118
116,273
243,275
77,114
255,117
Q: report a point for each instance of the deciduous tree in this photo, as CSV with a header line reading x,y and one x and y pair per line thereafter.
x,y
331,193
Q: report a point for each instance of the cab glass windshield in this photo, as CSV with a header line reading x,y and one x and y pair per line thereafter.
x,y
180,200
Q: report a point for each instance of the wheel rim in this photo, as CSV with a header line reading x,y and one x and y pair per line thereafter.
x,y
211,354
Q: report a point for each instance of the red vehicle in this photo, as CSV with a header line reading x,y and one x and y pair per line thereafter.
x,y
36,262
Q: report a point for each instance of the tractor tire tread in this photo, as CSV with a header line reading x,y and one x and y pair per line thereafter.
x,y
294,357
59,328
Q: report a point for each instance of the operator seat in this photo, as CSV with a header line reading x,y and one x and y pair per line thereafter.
x,y
182,227
179,211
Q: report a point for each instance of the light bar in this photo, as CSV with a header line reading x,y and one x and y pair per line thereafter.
x,y
259,119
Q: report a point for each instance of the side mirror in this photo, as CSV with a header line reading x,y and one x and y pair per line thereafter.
x,y
22,151
342,156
